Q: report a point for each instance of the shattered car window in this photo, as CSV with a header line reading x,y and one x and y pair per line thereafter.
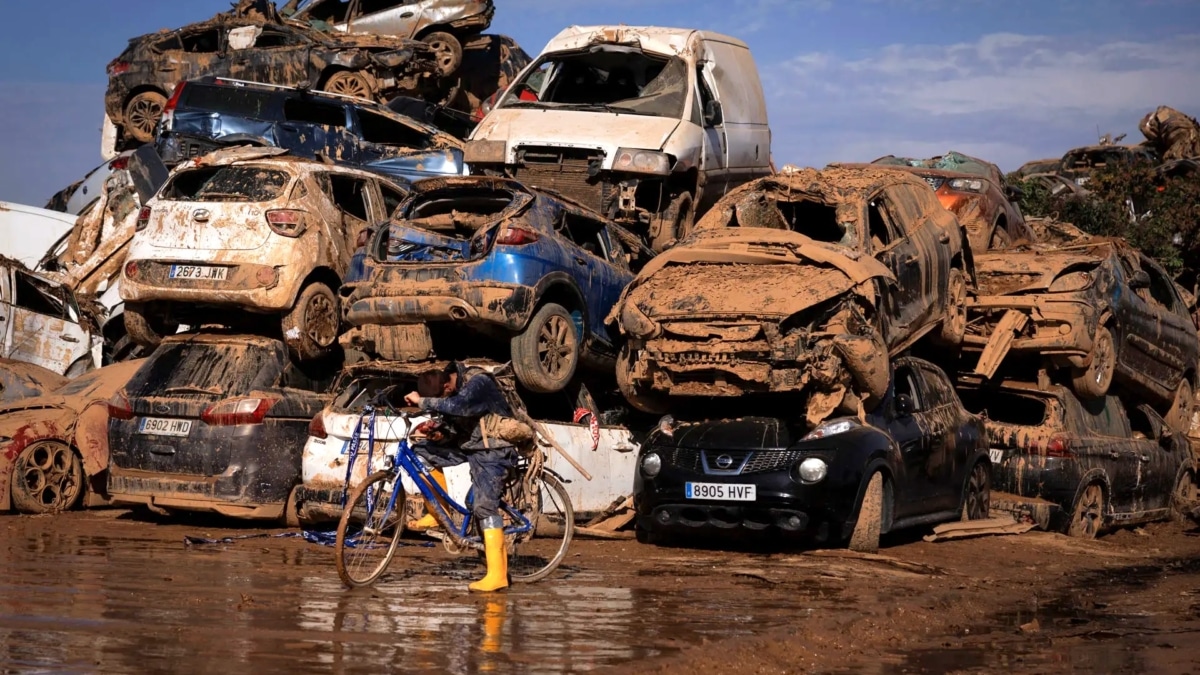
x,y
1006,407
226,184
363,387
807,215
39,297
217,369
606,78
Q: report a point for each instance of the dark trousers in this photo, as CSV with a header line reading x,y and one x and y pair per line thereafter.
x,y
488,470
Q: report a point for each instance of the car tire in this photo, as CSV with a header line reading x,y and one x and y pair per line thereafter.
x,y
1087,519
978,497
865,538
47,477
448,50
349,83
310,328
1094,381
646,402
1185,498
546,354
124,349
954,323
674,223
1179,416
142,115
291,512
145,329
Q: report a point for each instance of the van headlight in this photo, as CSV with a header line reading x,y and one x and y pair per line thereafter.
x,y
812,470
642,161
651,464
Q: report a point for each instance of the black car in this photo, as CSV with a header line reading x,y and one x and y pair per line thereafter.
x,y
210,113
258,49
919,458
1080,465
214,423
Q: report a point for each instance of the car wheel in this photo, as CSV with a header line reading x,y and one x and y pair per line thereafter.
x,y
1179,417
1000,239
1185,498
865,538
349,83
645,536
977,501
954,324
146,329
1088,518
311,327
47,477
291,510
645,401
674,223
448,51
142,114
546,354
1094,381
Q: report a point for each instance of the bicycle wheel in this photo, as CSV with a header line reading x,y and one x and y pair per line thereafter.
x,y
370,529
532,556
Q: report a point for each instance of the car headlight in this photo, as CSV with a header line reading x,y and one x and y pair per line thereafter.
x,y
967,184
812,470
651,464
832,428
642,161
1071,282
485,152
637,324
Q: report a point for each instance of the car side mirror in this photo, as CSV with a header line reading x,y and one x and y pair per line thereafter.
x,y
1140,280
904,406
1013,192
714,114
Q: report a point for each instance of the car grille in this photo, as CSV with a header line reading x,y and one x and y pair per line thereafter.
x,y
756,461
566,171
935,182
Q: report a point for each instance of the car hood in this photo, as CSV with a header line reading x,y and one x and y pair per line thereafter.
x,y
749,433
575,129
1018,273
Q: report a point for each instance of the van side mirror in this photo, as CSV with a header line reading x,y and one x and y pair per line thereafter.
x,y
904,406
714,114
1140,280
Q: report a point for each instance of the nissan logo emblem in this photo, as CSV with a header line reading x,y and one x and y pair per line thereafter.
x,y
201,215
724,462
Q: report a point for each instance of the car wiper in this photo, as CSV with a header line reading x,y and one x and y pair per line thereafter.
x,y
190,390
608,107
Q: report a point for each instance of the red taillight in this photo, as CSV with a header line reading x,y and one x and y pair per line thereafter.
x,y
316,428
131,269
173,102
237,411
516,236
143,218
1055,446
287,222
119,164
119,408
118,68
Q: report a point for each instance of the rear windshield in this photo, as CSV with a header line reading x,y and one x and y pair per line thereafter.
x,y
356,391
228,100
1006,408
226,184
196,368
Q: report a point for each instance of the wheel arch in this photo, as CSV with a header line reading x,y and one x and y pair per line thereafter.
x,y
560,288
1095,477
878,463
322,274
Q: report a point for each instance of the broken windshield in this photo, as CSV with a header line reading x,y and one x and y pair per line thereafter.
x,y
605,78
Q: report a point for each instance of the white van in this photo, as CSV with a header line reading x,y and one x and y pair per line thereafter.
x,y
649,126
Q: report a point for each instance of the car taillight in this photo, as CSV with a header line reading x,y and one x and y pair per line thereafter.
x,y
168,116
119,164
119,408
237,411
143,218
118,68
1055,446
316,428
287,222
131,269
516,236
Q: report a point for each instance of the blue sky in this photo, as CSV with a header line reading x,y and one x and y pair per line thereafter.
x,y
847,80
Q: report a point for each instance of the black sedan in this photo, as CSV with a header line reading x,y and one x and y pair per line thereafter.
x,y
919,458
214,423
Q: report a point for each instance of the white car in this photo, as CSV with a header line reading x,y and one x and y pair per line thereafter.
x,y
249,230
41,323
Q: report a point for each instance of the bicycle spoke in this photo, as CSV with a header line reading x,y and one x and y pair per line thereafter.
x,y
533,556
370,530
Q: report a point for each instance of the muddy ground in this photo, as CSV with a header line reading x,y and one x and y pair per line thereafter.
x,y
105,591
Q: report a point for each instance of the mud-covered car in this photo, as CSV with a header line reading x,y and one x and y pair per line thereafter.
x,y
442,24
1078,164
41,322
214,423
19,380
1100,310
1080,466
917,459
251,48
1037,166
804,282
54,447
975,191
203,116
251,230
506,261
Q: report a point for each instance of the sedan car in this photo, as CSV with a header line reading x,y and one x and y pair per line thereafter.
x,y
1099,310
803,282
504,261
1080,466
918,459
54,445
214,423
258,50
245,229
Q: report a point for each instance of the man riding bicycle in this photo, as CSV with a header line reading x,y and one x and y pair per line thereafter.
x,y
470,399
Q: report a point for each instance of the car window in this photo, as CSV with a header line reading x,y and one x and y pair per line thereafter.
x,y
349,194
84,383
1006,407
883,233
228,100
585,233
169,44
383,130
906,385
201,42
270,39
39,296
226,184
938,391
1162,290
314,112
216,368
704,96
904,204
1104,417
392,198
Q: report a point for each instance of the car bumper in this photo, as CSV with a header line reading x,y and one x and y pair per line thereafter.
x,y
159,491
1029,480
251,286
1056,328
506,305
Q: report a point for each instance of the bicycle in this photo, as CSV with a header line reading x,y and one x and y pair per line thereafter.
x,y
538,516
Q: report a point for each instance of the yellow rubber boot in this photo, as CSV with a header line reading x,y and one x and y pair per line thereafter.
x,y
427,521
497,562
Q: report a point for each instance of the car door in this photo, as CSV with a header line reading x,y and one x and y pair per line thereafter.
x,y
584,262
915,489
351,196
1158,459
946,464
899,253
1148,329
1177,342
318,127
714,160
189,54
1107,447
268,54
45,324
401,18
930,243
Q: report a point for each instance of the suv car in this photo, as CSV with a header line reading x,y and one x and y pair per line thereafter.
x,y
442,24
246,229
216,112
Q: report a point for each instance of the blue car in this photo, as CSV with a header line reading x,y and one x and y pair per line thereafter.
x,y
210,113
507,262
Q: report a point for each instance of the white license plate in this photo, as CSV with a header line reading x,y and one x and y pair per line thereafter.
x,y
723,492
156,426
996,454
199,272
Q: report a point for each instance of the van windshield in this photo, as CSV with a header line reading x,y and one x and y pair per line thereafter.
x,y
604,78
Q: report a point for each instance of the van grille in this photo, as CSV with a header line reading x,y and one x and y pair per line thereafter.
x,y
566,171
